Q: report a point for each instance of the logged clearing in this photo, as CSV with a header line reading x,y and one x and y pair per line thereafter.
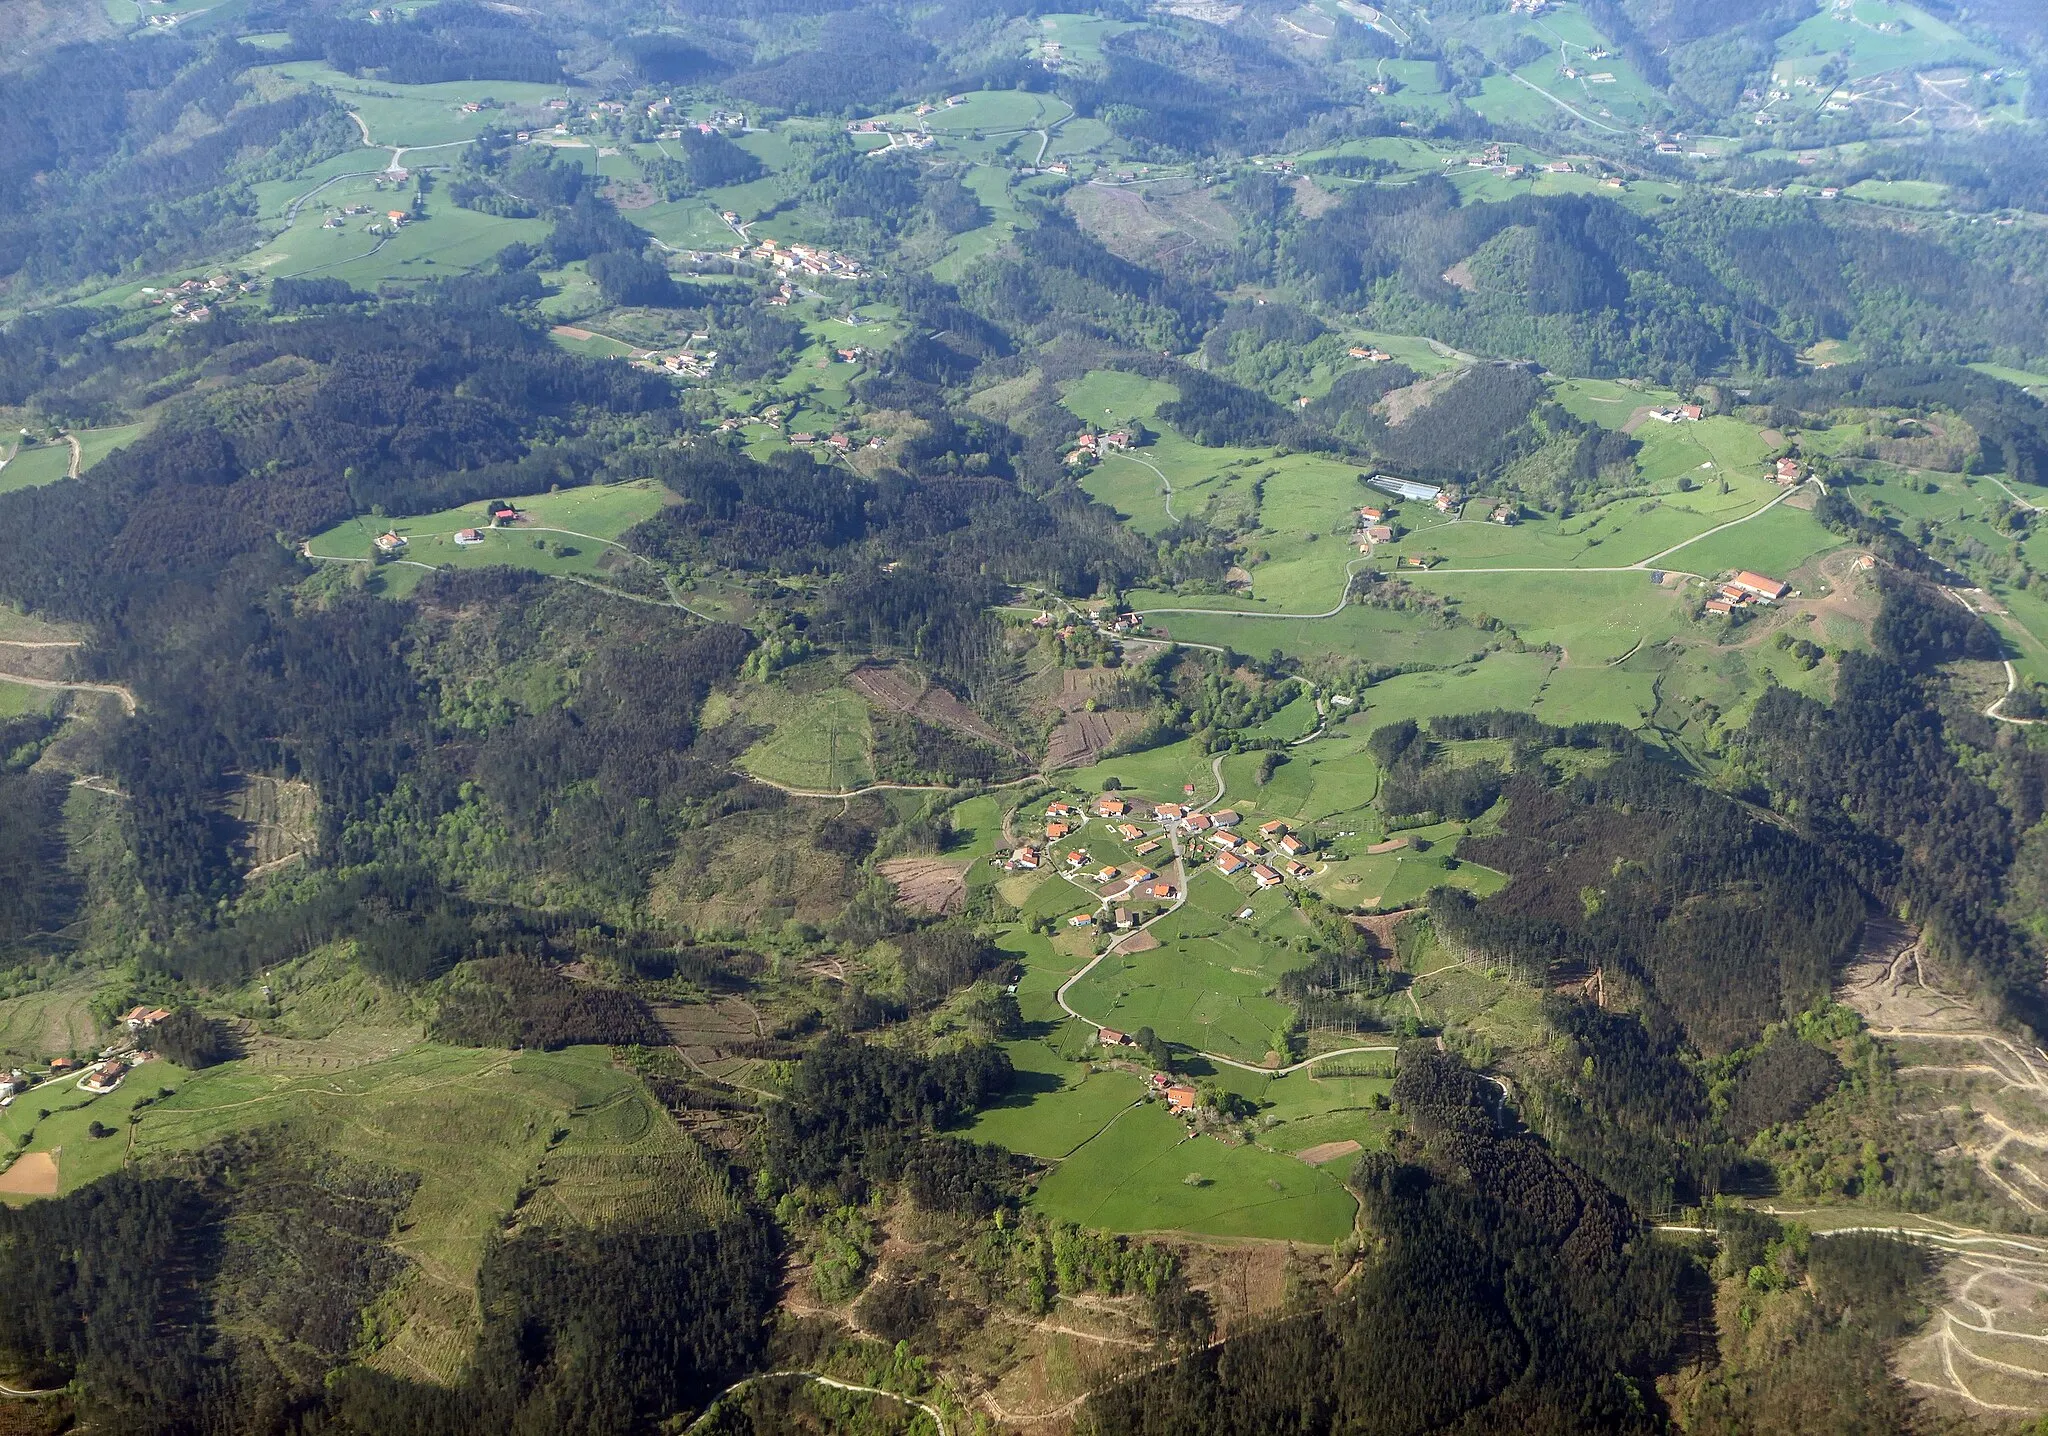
x,y
34,1174
897,689
928,885
1086,737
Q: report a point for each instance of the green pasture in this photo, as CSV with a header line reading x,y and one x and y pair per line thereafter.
x,y
1774,543
416,115
319,182
1316,782
1204,987
96,444
1144,1173
18,698
1380,635
977,827
1157,773
448,241
1594,617
820,739
1909,194
1852,35
31,468
569,532
1056,1105
2019,378
1080,36
1607,402
56,1022
1044,971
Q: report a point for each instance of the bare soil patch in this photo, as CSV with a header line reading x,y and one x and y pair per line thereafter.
x,y
1147,223
1083,737
34,1174
1404,404
929,885
1139,942
899,690
1460,275
1391,845
1317,1155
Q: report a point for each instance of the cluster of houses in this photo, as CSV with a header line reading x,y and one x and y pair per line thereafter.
x,y
1090,446
1789,471
1679,414
1369,353
842,442
808,259
688,362
1746,590
191,299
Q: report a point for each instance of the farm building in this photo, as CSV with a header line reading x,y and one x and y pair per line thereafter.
x,y
390,542
1169,812
136,1019
1759,586
1181,1098
1227,818
1111,1037
1055,831
1025,858
1406,488
1228,863
468,538
1111,807
1266,877
1273,829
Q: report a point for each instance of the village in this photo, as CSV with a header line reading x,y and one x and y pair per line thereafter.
x,y
1128,893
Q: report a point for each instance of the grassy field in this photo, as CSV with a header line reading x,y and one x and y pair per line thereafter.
x,y
478,1128
415,115
31,468
447,241
18,698
1204,987
53,1023
819,736
1912,37
569,532
1144,1173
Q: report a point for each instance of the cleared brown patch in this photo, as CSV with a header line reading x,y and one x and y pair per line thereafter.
x,y
1312,199
1150,222
34,1174
1460,276
930,885
570,331
1141,941
1404,404
1328,1152
1391,845
900,690
1382,925
1083,737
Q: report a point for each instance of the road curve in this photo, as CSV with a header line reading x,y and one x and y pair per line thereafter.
x,y
832,1381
